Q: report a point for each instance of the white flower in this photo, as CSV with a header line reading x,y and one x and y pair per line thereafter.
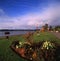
x,y
16,46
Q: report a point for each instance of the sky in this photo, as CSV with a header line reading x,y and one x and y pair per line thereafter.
x,y
27,14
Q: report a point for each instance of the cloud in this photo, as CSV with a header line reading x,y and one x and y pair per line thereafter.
x,y
1,11
50,15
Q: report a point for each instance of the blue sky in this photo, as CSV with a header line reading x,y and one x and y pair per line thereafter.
x,y
27,14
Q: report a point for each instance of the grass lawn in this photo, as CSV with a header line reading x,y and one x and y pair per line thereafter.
x,y
6,54
45,36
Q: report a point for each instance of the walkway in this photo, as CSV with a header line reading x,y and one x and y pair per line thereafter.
x,y
56,34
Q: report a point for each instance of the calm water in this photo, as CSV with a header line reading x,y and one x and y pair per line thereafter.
x,y
2,33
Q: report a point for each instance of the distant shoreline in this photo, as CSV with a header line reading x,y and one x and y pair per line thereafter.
x,y
11,35
18,29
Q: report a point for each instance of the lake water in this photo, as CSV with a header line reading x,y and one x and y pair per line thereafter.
x,y
2,33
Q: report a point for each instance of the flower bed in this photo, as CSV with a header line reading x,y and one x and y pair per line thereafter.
x,y
46,51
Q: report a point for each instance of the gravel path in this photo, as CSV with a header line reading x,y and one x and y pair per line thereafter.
x,y
56,34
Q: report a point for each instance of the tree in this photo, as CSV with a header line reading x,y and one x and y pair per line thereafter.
x,y
46,27
50,28
57,28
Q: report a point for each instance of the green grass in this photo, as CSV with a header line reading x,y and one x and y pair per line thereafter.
x,y
45,36
6,54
